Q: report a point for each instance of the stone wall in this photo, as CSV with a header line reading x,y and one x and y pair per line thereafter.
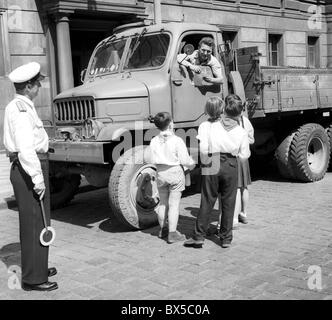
x,y
254,19
26,43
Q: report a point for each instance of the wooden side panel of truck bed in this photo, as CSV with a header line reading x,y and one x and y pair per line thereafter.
x,y
293,89
282,89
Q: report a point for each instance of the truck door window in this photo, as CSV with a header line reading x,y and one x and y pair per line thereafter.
x,y
149,51
107,58
193,39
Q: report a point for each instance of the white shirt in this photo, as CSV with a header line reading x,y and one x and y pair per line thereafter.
x,y
249,128
167,148
213,62
214,134
24,133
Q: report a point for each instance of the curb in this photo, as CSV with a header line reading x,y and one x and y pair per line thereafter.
x,y
10,203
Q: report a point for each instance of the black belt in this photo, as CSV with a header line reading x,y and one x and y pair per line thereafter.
x,y
221,154
13,156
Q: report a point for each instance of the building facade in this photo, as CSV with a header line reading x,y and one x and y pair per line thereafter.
x,y
61,34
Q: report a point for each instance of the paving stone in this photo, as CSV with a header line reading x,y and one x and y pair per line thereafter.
x,y
269,259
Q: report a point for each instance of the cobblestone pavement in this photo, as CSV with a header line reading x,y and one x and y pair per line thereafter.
x,y
285,252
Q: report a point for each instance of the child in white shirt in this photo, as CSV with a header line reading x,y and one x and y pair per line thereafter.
x,y
169,153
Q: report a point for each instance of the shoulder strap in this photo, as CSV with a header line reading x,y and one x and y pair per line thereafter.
x,y
21,106
242,122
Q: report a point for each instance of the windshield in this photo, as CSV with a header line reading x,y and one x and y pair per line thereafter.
x,y
107,58
147,51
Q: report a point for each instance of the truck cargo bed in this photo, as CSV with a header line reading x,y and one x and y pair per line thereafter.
x,y
282,89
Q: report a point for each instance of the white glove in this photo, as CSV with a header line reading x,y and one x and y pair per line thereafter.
x,y
40,189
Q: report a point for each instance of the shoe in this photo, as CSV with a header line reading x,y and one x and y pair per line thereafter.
x,y
175,236
46,286
163,233
225,245
211,232
193,243
243,219
52,272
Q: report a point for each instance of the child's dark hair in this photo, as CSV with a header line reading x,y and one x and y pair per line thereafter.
x,y
233,105
162,120
214,108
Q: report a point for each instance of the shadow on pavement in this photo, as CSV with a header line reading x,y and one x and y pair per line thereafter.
x,y
10,254
115,226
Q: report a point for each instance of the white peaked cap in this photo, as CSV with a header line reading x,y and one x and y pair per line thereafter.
x,y
26,72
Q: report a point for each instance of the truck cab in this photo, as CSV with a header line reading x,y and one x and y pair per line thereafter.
x,y
131,76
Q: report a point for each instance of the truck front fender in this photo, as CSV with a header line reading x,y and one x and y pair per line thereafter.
x,y
113,132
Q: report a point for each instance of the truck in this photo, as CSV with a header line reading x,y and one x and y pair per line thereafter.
x,y
103,127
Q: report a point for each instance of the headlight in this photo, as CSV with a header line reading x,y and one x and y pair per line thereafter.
x,y
91,128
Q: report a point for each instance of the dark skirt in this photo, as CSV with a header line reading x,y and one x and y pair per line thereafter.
x,y
244,178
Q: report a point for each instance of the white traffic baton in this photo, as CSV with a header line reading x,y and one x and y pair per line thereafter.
x,y
47,230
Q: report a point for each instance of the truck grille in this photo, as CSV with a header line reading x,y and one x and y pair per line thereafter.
x,y
78,109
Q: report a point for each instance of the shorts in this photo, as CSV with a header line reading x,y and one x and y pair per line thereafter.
x,y
170,178
244,178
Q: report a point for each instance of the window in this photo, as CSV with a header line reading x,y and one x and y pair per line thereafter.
x,y
194,39
2,58
231,38
275,49
4,53
107,58
313,52
147,51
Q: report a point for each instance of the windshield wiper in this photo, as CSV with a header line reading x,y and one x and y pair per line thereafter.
x,y
137,42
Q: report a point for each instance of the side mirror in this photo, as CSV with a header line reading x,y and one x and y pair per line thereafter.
x,y
188,49
83,72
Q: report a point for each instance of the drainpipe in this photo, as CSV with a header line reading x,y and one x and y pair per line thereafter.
x,y
157,11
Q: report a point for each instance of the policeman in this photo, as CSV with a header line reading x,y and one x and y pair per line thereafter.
x,y
26,142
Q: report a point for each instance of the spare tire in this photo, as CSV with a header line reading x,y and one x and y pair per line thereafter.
x,y
63,189
310,152
133,193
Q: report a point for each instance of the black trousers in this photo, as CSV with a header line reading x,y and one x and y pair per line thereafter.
x,y
34,256
224,181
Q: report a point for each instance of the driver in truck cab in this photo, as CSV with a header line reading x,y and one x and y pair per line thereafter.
x,y
203,57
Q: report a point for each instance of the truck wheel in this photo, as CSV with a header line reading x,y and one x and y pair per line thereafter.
x,y
310,152
282,157
63,190
133,192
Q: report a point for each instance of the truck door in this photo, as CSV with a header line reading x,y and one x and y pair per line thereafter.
x,y
189,96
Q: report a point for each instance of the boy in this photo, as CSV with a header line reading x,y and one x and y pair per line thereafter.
x,y
170,155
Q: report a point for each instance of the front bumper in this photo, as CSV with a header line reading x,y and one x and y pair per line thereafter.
x,y
79,152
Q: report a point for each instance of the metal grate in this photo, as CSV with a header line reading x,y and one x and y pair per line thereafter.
x,y
78,109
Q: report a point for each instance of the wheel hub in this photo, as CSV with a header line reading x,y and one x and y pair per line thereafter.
x,y
316,155
144,188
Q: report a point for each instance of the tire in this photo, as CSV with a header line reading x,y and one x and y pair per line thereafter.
x,y
310,152
63,190
282,157
133,193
